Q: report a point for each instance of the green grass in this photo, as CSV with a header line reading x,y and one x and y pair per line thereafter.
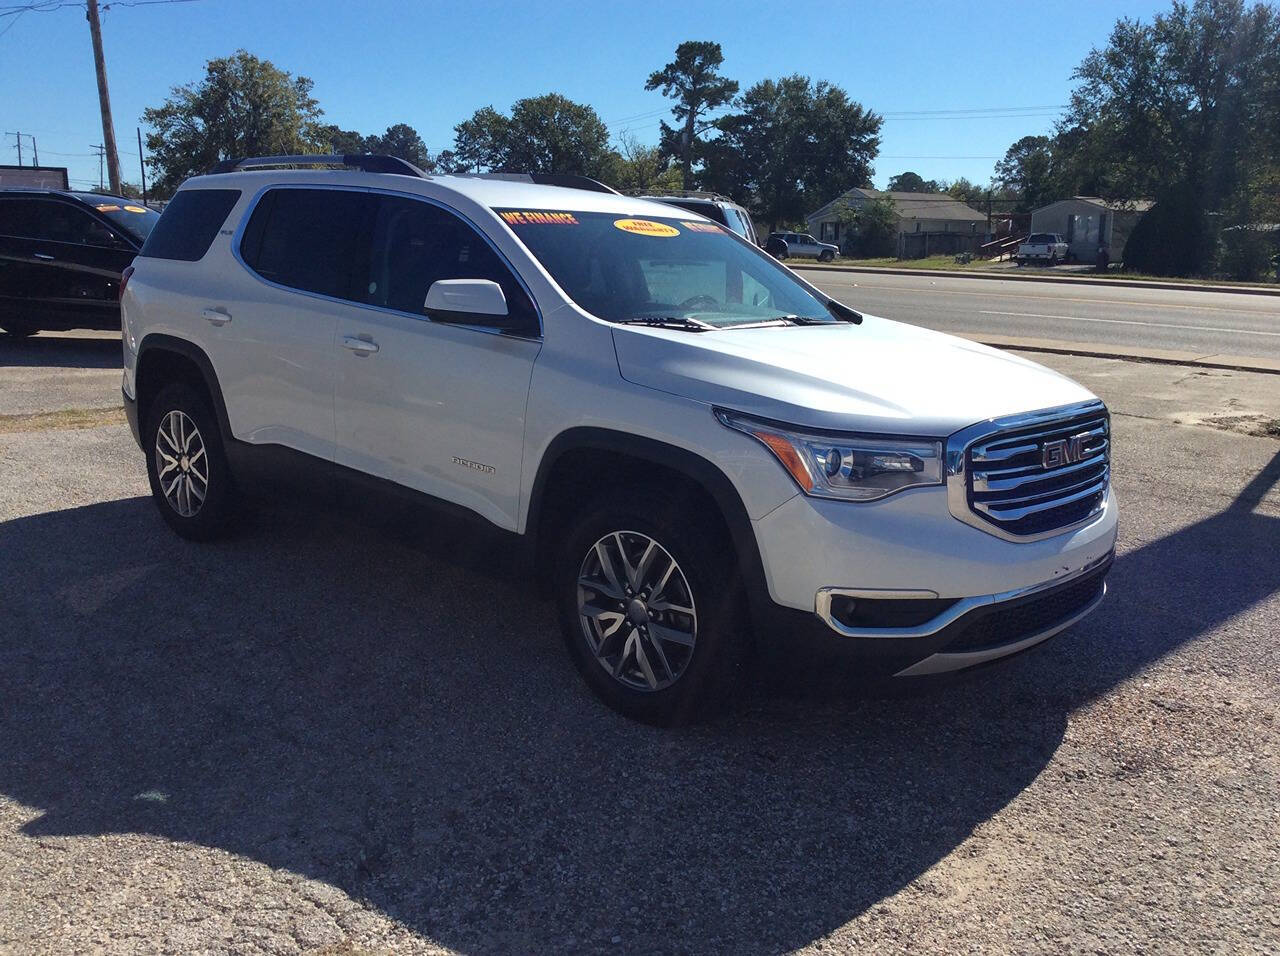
x,y
932,262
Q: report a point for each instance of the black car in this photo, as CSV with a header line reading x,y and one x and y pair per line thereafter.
x,y
61,256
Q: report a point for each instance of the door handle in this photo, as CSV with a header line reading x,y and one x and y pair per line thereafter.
x,y
216,316
358,345
43,255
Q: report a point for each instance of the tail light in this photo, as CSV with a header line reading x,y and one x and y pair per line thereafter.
x,y
124,281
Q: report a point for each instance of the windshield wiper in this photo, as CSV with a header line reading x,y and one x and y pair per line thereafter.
x,y
801,320
670,322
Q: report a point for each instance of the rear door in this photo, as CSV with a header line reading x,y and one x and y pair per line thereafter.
x,y
272,331
434,406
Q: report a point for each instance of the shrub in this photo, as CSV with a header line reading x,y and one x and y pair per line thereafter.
x,y
1172,239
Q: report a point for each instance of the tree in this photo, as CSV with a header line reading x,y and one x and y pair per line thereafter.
x,y
553,134
403,142
872,228
693,80
127,190
1172,239
910,182
543,134
244,106
638,167
795,144
971,194
1027,172
341,142
480,142
1184,109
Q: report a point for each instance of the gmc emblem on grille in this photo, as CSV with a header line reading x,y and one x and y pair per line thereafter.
x,y
1063,451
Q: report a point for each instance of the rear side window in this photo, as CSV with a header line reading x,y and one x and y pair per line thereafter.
x,y
306,238
186,228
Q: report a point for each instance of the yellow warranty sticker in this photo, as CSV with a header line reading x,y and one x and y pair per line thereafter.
x,y
135,209
107,207
646,227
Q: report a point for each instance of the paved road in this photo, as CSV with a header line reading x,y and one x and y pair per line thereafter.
x,y
318,736
1208,323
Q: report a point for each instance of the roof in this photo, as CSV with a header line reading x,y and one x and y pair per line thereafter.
x,y
77,194
489,193
1113,205
938,206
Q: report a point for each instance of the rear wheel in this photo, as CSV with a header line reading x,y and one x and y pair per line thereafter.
x,y
650,607
187,465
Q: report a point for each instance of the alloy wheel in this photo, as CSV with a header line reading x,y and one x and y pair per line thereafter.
x,y
181,464
637,611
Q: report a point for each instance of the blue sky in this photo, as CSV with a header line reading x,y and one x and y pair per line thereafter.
x,y
432,64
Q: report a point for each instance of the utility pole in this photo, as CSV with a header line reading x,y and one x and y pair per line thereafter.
x,y
18,137
142,167
35,152
101,153
104,100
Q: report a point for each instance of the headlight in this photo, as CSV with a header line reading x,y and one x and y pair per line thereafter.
x,y
847,466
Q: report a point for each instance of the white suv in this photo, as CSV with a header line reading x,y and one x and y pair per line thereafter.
x,y
695,445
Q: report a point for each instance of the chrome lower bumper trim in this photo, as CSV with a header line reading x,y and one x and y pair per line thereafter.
x,y
949,616
943,662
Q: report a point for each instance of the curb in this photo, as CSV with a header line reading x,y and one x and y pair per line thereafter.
x,y
1069,279
1234,363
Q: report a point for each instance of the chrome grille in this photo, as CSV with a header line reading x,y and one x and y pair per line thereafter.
x,y
1034,475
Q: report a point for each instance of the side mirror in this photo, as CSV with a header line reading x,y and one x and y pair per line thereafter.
x,y
469,302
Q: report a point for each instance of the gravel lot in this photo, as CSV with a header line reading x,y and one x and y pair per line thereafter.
x,y
318,736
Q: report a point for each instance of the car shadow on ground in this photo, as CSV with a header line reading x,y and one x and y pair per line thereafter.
x,y
52,350
382,718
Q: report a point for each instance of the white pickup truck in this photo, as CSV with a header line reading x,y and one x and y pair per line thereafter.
x,y
1042,247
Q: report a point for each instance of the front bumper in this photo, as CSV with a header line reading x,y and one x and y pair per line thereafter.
x,y
975,631
905,588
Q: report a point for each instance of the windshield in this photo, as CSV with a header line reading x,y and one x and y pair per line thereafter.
x,y
625,270
134,218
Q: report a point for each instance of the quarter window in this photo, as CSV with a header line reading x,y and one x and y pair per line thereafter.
x,y
189,224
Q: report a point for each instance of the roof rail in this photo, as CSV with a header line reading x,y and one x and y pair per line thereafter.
x,y
566,180
366,163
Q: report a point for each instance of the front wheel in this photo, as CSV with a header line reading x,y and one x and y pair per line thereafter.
x,y
1053,261
650,607
187,465
826,256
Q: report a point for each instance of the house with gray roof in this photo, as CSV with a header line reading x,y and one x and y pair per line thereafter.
x,y
917,213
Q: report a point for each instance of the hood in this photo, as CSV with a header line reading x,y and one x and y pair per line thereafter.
x,y
880,376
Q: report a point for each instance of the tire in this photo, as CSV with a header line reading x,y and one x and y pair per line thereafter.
x,y
194,512
1053,260
699,655
826,256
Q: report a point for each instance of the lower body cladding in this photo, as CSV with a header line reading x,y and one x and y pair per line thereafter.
x,y
925,594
